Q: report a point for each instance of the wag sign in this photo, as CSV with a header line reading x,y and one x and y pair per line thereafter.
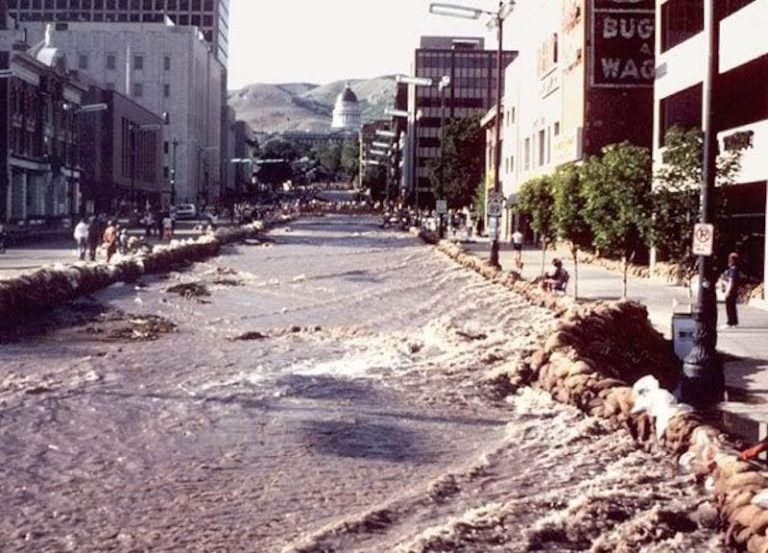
x,y
623,43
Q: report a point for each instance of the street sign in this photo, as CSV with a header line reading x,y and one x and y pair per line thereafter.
x,y
441,206
703,238
495,204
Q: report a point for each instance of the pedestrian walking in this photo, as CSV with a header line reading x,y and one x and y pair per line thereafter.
x,y
80,235
732,277
94,237
110,239
122,241
517,243
168,227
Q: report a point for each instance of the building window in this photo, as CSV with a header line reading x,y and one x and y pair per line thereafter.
x,y
542,147
138,90
166,147
111,62
167,90
682,109
82,61
557,128
167,63
138,62
680,20
527,154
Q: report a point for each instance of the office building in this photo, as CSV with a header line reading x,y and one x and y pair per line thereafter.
x,y
39,167
166,70
210,16
121,154
584,80
472,90
740,104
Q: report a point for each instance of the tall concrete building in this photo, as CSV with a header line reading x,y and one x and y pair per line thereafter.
x,y
740,104
165,69
210,16
472,90
584,80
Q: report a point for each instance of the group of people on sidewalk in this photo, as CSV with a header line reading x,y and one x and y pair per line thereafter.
x,y
90,234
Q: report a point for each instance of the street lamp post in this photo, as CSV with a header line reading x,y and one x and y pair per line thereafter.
x,y
703,382
445,82
175,143
497,18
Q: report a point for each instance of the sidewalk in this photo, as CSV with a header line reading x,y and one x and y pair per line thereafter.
x,y
21,259
745,348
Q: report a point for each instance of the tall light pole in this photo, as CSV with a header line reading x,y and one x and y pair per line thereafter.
x,y
497,18
703,382
445,82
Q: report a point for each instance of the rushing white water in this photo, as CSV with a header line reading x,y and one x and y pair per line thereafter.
x,y
355,417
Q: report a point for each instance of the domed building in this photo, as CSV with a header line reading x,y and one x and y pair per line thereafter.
x,y
347,115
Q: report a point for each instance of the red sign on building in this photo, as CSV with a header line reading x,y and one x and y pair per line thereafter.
x,y
623,43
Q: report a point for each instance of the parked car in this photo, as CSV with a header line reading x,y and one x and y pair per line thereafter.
x,y
186,211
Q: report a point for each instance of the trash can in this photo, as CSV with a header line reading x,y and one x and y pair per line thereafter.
x,y
682,334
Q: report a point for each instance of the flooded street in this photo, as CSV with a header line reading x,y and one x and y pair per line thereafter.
x,y
320,391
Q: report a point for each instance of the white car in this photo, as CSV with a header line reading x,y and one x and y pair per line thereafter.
x,y
186,211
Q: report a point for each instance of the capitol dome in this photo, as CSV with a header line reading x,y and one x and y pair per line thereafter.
x,y
346,112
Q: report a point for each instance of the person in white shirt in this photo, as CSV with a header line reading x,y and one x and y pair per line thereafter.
x,y
81,238
517,243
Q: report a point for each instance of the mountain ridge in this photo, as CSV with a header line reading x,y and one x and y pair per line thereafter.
x,y
303,106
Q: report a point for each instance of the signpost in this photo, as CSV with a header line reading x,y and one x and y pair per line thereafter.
x,y
441,207
703,238
495,204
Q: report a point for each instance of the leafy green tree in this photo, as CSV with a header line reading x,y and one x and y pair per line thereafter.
x,y
375,180
328,157
350,157
279,148
537,201
616,188
463,162
676,197
570,223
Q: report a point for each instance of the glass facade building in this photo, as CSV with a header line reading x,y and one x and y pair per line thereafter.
x,y
210,16
472,71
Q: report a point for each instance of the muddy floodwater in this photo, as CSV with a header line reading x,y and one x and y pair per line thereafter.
x,y
319,391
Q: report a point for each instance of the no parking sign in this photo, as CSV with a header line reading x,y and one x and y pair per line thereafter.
x,y
703,238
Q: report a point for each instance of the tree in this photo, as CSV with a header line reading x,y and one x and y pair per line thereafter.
x,y
350,157
616,188
463,162
279,148
328,156
375,180
676,198
570,223
536,201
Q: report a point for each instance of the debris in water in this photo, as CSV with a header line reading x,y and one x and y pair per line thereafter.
x,y
189,289
252,335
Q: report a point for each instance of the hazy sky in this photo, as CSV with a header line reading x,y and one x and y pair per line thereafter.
x,y
326,40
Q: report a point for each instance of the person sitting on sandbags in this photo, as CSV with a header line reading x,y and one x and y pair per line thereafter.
x,y
556,281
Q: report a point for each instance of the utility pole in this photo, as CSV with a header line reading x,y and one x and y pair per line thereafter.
x,y
703,382
494,260
175,144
